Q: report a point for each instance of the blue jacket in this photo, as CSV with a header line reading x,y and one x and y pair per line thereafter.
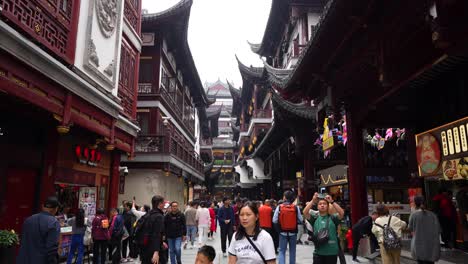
x,y
39,240
117,227
226,213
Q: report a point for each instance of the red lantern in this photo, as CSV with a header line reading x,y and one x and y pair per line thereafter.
x,y
86,153
78,151
93,155
98,156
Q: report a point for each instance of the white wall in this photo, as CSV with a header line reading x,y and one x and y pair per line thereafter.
x,y
145,183
257,166
198,134
312,20
107,49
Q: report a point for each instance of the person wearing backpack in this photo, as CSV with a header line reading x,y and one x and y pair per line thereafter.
x,y
116,231
152,233
387,230
324,224
100,235
286,218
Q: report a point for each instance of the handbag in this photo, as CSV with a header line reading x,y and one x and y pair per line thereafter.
x,y
256,249
322,235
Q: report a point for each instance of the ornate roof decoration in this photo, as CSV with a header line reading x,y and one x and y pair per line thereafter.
x,y
214,112
177,9
249,72
276,76
285,109
235,93
278,19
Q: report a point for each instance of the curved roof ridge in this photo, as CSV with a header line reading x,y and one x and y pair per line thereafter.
x,y
255,47
249,71
301,110
181,6
235,93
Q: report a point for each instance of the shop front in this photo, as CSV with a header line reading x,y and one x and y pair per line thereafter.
x,y
442,155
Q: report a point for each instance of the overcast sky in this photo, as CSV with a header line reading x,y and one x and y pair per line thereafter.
x,y
218,30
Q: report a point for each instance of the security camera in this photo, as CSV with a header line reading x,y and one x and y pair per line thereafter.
x,y
124,170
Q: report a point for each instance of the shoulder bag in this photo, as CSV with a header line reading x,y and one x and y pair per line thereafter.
x,y
256,249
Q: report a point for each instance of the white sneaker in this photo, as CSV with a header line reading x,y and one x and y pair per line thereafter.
x,y
190,247
224,254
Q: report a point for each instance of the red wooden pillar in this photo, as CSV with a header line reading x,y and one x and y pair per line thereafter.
x,y
47,187
356,174
114,179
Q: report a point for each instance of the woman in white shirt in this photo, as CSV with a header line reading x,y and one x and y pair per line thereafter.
x,y
251,245
204,221
139,213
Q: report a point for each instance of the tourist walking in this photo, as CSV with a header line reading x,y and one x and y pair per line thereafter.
x,y
326,250
116,231
361,228
251,244
213,218
129,219
175,231
425,230
100,235
191,223
203,219
389,256
40,236
226,221
78,230
265,217
286,218
153,230
447,214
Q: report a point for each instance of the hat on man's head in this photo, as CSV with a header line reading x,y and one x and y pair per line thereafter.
x,y
51,202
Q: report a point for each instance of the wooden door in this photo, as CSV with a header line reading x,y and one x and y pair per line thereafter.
x,y
19,198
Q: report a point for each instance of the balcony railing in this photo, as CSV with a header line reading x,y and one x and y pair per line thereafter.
x,y
164,144
51,23
132,10
149,89
145,88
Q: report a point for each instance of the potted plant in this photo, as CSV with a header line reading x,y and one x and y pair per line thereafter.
x,y
8,241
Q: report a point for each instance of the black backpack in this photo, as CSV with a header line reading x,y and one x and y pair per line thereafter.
x,y
391,239
142,231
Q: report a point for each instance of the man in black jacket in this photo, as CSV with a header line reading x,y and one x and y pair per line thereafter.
x,y
175,232
154,230
361,228
129,219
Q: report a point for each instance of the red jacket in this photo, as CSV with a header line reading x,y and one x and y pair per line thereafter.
x,y
213,219
97,232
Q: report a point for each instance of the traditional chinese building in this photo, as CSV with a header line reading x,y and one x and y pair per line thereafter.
x,y
395,74
220,181
171,112
68,82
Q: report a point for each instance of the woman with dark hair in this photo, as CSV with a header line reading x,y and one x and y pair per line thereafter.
x,y
425,229
389,256
78,231
326,252
251,244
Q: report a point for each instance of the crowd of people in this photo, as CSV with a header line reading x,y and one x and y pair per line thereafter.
x,y
251,232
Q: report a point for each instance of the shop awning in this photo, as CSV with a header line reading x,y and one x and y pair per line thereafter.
x,y
335,175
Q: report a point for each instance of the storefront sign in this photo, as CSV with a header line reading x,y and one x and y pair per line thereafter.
x,y
335,175
454,141
393,208
428,154
456,169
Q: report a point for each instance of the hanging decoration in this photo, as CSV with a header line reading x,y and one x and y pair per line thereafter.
x,y
379,141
